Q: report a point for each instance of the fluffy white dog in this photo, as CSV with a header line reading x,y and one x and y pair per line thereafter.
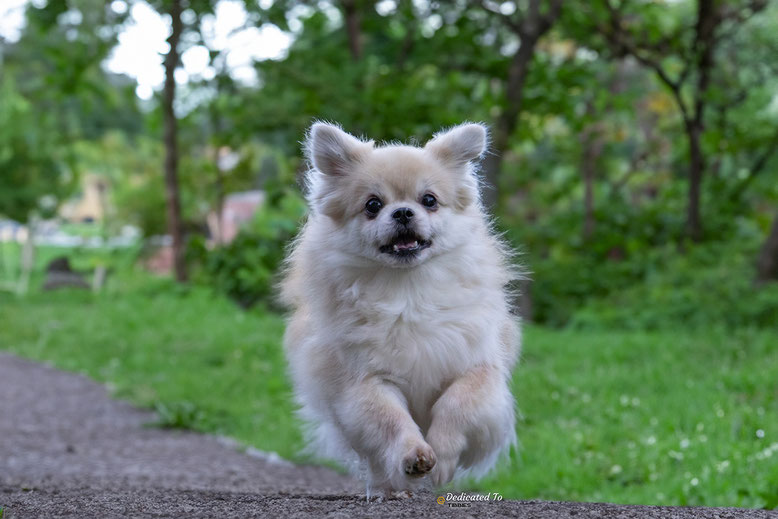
x,y
401,341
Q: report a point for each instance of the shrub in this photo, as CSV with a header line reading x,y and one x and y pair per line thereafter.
x,y
246,268
710,286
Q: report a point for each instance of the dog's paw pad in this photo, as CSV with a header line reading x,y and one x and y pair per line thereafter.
x,y
419,462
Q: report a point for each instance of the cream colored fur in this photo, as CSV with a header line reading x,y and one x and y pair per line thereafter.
x,y
401,364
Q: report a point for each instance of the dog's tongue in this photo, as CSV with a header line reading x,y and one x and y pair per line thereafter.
x,y
406,245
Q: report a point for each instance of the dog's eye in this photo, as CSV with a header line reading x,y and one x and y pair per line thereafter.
x,y
429,201
373,206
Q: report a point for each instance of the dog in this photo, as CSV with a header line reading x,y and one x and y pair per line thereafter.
x,y
401,340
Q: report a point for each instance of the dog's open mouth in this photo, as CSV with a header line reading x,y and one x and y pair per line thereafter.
x,y
405,244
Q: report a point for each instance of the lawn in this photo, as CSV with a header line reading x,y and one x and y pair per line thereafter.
x,y
657,418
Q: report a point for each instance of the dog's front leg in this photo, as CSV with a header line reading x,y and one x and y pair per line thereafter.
x,y
374,417
472,421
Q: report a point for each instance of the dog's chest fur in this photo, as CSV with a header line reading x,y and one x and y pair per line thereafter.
x,y
419,328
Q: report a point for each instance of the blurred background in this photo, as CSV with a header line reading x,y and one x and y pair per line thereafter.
x,y
149,182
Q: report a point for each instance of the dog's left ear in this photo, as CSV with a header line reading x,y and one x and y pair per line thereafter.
x,y
459,145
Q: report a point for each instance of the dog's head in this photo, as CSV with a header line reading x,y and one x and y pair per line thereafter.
x,y
396,204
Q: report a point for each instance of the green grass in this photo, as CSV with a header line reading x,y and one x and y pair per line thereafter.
x,y
650,418
653,418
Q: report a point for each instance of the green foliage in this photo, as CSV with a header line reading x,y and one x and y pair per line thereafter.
x,y
131,168
636,272
246,268
57,63
178,415
53,92
139,193
28,156
709,287
393,93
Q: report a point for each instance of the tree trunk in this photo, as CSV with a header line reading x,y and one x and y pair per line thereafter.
x,y
175,227
353,28
27,256
708,19
509,118
767,263
533,26
219,202
696,168
593,144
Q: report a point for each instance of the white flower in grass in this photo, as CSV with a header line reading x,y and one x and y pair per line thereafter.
x,y
760,433
676,455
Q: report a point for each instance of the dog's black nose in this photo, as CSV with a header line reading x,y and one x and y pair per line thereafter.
x,y
403,215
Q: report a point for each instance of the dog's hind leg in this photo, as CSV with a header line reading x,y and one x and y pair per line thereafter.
x,y
472,422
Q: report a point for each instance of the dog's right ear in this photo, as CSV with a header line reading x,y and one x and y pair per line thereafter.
x,y
460,145
333,151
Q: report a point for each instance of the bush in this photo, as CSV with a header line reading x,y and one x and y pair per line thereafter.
x,y
710,286
638,271
246,268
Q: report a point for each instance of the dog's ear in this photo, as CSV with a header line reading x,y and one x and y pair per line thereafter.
x,y
333,151
459,145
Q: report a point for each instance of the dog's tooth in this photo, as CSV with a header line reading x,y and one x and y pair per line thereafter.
x,y
396,248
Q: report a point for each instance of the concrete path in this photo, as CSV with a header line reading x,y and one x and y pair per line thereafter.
x,y
68,450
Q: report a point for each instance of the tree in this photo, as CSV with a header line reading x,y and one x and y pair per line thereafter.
x,y
529,26
52,94
351,12
173,197
174,9
30,158
632,30
767,262
393,92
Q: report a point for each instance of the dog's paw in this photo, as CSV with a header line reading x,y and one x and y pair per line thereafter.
x,y
419,461
443,472
448,444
